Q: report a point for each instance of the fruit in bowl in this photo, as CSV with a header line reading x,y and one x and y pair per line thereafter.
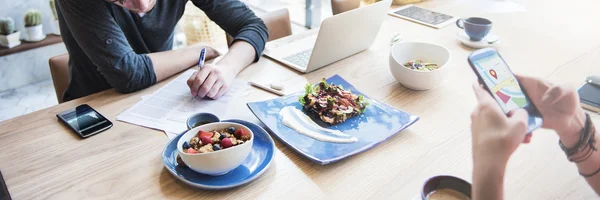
x,y
419,66
215,148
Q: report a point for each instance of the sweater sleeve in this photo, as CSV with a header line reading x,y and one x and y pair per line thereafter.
x,y
103,42
237,20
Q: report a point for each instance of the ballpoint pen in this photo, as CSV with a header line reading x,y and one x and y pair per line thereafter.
x,y
201,60
202,56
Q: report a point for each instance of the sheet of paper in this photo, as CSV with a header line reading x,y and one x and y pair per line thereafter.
x,y
493,6
168,108
170,135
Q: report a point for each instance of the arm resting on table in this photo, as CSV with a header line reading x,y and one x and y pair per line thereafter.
x,y
104,43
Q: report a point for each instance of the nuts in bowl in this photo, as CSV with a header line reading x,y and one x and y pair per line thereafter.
x,y
419,66
215,148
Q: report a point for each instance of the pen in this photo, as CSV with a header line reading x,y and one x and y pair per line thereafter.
x,y
259,86
201,59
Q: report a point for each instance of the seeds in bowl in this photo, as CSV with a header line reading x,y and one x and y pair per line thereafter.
x,y
215,140
419,65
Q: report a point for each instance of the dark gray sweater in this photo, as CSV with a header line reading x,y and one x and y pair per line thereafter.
x,y
108,44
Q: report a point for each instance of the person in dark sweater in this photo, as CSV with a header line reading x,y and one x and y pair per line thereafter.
x,y
126,44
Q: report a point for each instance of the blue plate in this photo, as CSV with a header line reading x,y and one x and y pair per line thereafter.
x,y
256,164
374,126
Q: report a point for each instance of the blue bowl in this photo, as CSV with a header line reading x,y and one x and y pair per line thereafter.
x,y
205,118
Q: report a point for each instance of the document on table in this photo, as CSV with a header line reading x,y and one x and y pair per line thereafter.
x,y
168,108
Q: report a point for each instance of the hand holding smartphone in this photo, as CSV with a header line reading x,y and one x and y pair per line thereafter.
x,y
493,72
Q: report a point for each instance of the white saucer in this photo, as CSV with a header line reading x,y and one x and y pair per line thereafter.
x,y
464,38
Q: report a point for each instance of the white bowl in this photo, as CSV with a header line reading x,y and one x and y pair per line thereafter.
x,y
218,162
403,52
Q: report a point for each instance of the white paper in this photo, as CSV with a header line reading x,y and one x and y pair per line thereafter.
x,y
168,108
492,6
170,135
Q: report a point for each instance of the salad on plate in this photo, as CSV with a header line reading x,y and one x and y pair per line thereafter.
x,y
332,103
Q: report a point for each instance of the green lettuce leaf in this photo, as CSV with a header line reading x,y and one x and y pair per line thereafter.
x,y
308,89
363,103
326,85
301,100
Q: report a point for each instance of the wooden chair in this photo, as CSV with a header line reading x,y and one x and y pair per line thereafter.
x,y
278,23
340,6
59,69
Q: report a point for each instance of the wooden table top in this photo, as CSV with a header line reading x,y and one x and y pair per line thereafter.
x,y
556,40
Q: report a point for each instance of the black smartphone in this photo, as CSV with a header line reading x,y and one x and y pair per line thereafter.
x,y
4,195
84,120
498,79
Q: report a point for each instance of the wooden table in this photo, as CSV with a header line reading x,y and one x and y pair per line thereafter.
x,y
557,40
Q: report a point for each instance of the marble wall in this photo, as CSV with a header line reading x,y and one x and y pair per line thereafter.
x,y
16,10
27,67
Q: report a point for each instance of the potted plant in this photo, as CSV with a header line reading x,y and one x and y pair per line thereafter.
x,y
33,26
53,8
9,37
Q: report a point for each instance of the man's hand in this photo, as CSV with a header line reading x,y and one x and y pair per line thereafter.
x,y
495,136
559,106
214,80
211,81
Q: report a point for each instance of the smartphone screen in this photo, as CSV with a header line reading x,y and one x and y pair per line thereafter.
x,y
503,85
84,120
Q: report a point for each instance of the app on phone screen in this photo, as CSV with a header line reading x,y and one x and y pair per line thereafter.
x,y
501,82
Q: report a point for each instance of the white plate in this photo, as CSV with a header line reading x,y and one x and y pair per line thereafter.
x,y
464,38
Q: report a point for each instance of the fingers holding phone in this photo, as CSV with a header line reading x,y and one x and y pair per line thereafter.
x,y
495,135
503,85
558,104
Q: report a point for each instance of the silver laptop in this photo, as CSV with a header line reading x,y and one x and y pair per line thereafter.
x,y
340,36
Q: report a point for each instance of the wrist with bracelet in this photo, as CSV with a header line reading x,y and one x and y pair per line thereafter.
x,y
585,146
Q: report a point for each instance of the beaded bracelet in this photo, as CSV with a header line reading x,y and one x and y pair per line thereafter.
x,y
587,142
592,129
586,138
589,148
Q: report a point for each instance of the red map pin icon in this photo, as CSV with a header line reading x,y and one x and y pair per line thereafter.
x,y
493,73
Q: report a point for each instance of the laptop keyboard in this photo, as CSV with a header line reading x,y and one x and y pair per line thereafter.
x,y
300,58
